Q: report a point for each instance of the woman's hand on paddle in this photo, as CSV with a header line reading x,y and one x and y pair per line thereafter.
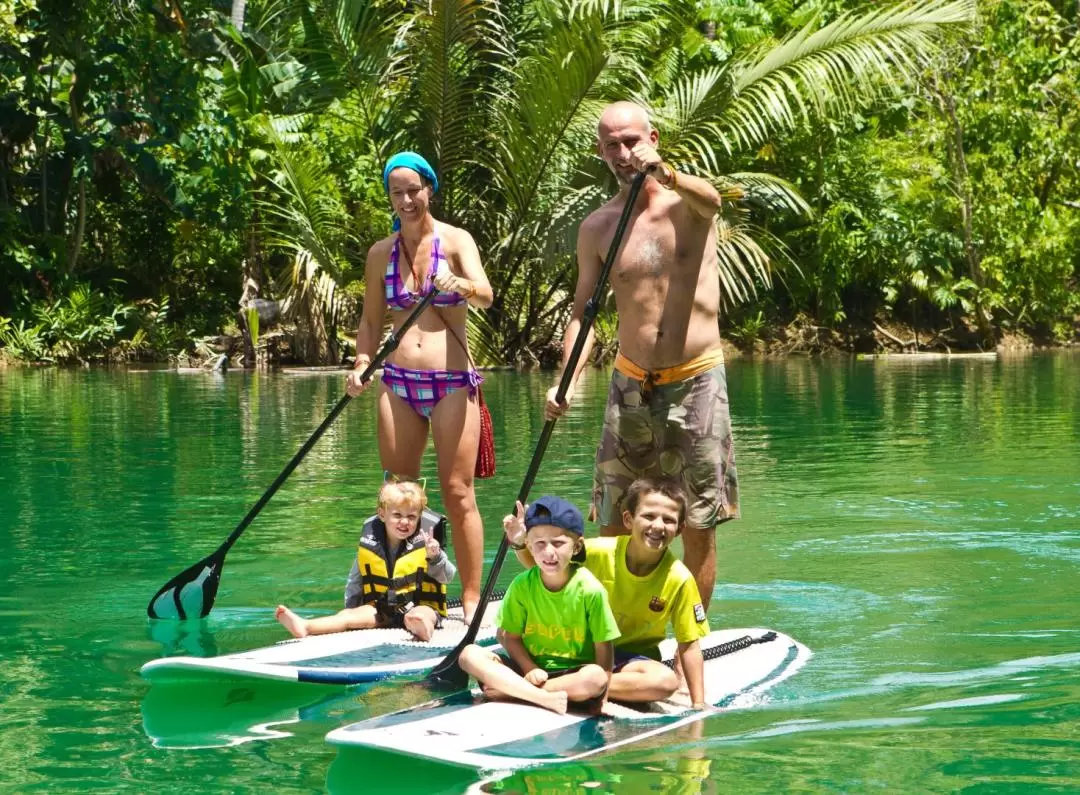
x,y
537,677
553,410
353,385
446,282
514,525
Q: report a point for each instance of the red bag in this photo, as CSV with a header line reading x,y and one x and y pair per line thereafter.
x,y
485,456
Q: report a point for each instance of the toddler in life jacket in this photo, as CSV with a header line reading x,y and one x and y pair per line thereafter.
x,y
400,575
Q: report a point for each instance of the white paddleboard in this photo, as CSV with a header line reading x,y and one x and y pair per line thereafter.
x,y
341,658
467,730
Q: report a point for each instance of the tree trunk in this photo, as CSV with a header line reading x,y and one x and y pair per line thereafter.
x,y
962,181
75,245
237,15
45,154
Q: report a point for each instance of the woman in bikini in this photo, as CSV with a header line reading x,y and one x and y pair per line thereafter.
x,y
429,379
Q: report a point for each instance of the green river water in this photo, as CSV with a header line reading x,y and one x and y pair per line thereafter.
x,y
917,525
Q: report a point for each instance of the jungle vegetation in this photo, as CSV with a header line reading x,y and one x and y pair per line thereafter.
x,y
163,163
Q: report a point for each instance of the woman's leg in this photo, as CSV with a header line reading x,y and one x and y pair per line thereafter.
x,y
455,428
363,617
490,671
421,621
402,435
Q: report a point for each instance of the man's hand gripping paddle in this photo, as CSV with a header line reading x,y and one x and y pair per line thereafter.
x,y
448,671
191,593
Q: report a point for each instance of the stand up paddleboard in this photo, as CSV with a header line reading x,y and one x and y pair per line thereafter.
x,y
340,658
467,730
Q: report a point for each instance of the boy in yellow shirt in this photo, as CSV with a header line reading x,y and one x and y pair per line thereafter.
x,y
648,588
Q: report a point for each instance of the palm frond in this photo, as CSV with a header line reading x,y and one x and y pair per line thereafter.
x,y
742,262
307,213
770,192
722,110
544,120
457,46
837,67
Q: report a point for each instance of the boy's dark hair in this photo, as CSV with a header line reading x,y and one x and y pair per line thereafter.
x,y
669,487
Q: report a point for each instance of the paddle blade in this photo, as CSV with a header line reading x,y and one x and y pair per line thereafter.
x,y
191,593
448,672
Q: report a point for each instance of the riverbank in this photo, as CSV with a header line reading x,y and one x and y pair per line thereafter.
x,y
803,337
800,337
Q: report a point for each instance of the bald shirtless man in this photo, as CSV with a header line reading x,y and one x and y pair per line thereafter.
x,y
667,410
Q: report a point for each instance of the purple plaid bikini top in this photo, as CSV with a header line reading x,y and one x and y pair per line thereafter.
x,y
398,296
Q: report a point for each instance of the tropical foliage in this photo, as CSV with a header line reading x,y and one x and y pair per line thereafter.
x,y
913,161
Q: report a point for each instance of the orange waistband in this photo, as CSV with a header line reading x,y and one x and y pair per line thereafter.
x,y
669,375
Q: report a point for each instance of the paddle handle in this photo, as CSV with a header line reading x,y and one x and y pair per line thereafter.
x,y
588,317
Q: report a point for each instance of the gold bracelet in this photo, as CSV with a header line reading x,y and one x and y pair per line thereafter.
x,y
471,290
356,362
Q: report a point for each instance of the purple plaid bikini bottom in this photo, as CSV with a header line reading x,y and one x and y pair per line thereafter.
x,y
422,389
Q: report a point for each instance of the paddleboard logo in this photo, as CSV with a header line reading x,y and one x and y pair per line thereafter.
x,y
699,613
657,605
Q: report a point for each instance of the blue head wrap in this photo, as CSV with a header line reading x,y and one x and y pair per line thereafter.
x,y
412,161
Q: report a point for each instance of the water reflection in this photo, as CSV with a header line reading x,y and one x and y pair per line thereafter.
x,y
684,768
916,526
204,712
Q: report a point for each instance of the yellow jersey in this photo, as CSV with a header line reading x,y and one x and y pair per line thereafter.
x,y
644,606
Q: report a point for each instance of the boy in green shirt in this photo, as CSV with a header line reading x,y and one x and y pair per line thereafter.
x,y
555,622
648,588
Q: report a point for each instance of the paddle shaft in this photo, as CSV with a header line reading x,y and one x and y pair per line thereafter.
x,y
591,308
387,348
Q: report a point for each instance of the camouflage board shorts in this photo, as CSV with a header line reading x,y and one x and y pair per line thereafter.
x,y
680,430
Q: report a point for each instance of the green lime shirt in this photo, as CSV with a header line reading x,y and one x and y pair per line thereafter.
x,y
560,629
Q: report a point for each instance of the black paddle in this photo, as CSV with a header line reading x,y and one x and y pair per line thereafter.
x,y
193,590
448,670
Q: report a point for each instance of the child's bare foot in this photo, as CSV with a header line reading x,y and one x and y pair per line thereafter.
x,y
287,618
555,700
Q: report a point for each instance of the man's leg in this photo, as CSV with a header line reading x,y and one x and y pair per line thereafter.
x,y
699,555
626,451
702,436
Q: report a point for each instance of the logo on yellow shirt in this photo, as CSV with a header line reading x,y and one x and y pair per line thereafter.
x,y
657,605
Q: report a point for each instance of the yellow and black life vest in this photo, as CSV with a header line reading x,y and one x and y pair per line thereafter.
x,y
407,581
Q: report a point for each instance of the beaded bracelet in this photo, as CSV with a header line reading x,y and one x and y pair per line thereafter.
x,y
674,182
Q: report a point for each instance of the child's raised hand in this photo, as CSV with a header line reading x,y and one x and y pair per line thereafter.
x,y
432,544
514,524
537,676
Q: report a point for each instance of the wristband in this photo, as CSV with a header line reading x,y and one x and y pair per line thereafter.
x,y
360,362
470,291
516,547
673,182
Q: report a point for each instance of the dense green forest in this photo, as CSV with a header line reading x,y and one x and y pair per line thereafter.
x,y
172,169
